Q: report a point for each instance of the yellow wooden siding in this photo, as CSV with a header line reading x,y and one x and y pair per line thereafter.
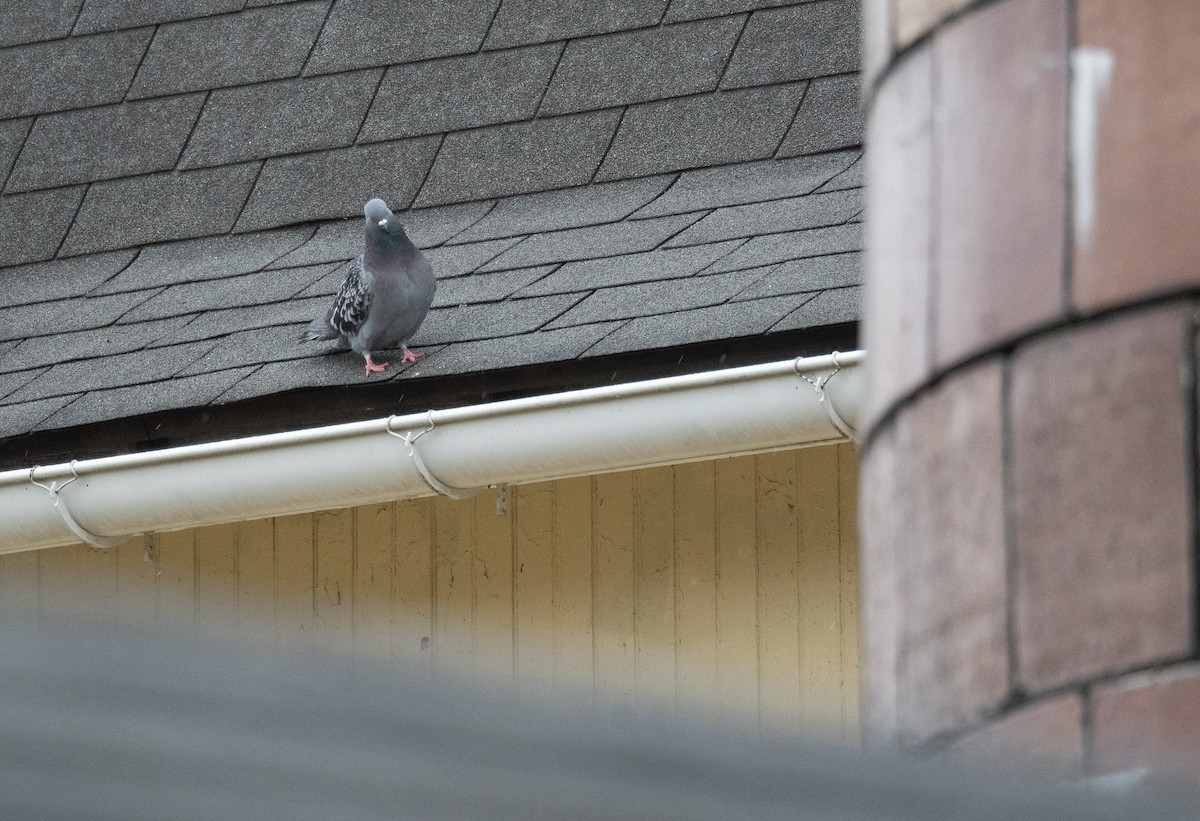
x,y
728,587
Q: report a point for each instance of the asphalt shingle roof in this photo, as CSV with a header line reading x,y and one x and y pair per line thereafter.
x,y
181,186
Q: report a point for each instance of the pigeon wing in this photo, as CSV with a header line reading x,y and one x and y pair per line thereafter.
x,y
352,303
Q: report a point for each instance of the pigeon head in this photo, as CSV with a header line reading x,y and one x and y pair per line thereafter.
x,y
381,222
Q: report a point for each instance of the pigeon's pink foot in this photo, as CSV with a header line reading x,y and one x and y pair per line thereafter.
x,y
409,356
374,367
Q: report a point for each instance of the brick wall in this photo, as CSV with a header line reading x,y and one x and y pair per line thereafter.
x,y
1029,477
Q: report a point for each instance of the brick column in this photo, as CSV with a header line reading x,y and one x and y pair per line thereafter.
x,y
1029,468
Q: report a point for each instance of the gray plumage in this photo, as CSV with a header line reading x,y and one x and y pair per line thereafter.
x,y
385,295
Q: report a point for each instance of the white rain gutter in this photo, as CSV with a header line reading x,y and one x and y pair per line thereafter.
x,y
806,401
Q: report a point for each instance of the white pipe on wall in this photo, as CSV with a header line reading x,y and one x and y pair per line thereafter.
x,y
641,424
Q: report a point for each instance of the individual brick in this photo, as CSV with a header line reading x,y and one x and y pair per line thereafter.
x,y
232,49
284,117
1149,721
157,207
638,66
565,208
519,22
1043,739
33,225
710,324
650,298
830,117
1103,567
812,274
914,19
110,15
950,555
753,219
589,242
362,33
202,259
727,185
60,278
796,43
30,22
415,98
519,158
1002,135
834,306
623,269
71,73
723,128
104,143
296,189
899,263
1137,84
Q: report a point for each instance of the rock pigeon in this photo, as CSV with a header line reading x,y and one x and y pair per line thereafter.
x,y
385,295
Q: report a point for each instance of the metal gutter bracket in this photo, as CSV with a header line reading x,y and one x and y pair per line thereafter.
x,y
83,534
819,384
409,439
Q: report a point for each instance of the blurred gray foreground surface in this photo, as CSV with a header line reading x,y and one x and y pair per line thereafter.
x,y
94,727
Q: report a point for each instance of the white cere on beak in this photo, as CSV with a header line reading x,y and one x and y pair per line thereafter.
x,y
382,223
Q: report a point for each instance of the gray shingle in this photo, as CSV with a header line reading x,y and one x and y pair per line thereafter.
x,y
331,184
711,324
832,307
110,15
830,117
457,260
26,22
362,33
247,289
158,207
590,242
428,227
274,344
804,275
793,214
281,117
491,320
584,275
566,208
254,45
33,225
793,245
747,182
63,316
103,143
695,9
319,370
524,349
328,283
13,381
12,137
796,43
537,21
217,324
723,127
60,278
485,89
71,73
133,368
89,344
637,66
519,158
332,242
135,400
650,298
202,259
26,416
489,287
852,177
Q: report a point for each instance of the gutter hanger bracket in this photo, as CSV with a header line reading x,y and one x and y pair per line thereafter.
x,y
819,384
410,444
60,504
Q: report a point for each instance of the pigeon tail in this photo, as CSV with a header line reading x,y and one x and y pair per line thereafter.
x,y
319,330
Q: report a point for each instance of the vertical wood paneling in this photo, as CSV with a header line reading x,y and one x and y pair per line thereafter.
x,y
729,587
695,584
295,578
613,569
654,584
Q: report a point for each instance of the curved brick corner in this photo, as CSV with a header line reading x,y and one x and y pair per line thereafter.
x,y
1029,475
